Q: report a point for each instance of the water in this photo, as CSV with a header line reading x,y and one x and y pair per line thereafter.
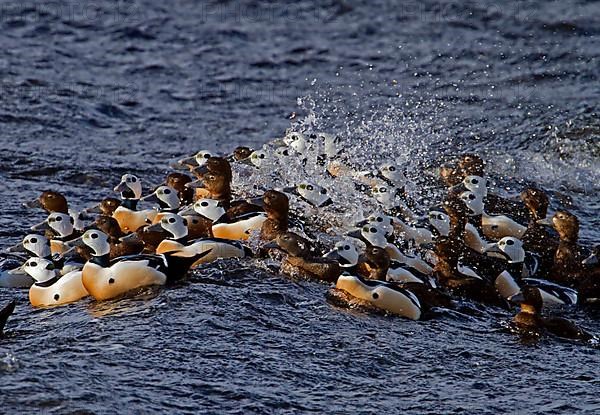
x,y
90,91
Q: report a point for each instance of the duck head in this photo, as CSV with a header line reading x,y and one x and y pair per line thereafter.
x,y
241,153
106,207
379,261
174,224
109,226
208,208
566,224
312,193
536,202
530,300
276,204
296,141
509,248
345,253
472,164
178,181
50,201
381,220
40,269
473,202
292,243
371,234
166,197
450,175
393,174
440,221
196,160
96,240
60,223
37,245
130,187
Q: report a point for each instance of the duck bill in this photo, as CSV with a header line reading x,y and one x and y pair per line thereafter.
x,y
517,298
247,161
272,245
362,223
291,190
200,170
154,228
591,260
258,201
151,198
132,237
17,271
196,184
16,248
43,226
75,242
355,234
546,221
68,251
187,210
94,209
328,202
35,203
493,248
121,187
188,162
334,255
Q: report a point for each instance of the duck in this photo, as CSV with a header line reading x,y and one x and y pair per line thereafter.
x,y
5,313
461,270
206,249
300,262
521,269
59,229
568,267
167,199
53,201
425,289
492,227
130,219
50,288
529,320
105,279
220,225
375,235
538,238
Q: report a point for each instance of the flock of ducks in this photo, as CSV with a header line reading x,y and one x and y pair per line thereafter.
x,y
473,244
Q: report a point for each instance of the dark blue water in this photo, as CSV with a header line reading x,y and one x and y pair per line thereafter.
x,y
92,90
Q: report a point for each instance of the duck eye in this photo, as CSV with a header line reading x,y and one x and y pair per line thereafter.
x,y
383,190
204,204
33,240
94,236
309,188
262,156
471,197
206,155
33,264
373,230
346,247
474,181
185,222
323,191
171,220
167,192
392,168
379,219
195,221
133,180
58,219
510,242
467,158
